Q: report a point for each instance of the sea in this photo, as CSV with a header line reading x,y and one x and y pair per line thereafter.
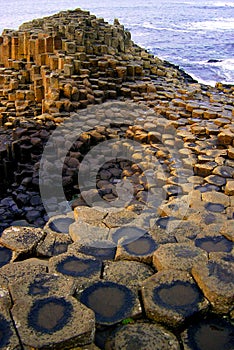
x,y
196,35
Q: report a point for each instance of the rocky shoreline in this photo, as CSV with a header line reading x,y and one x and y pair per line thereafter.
x,y
155,273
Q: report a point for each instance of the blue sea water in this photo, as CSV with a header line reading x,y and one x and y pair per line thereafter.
x,y
197,35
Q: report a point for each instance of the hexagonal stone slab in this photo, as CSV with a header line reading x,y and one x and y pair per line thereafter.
x,y
227,230
5,298
59,224
22,240
182,255
130,273
92,216
143,336
16,270
111,302
76,266
212,333
126,234
119,218
53,244
171,297
40,285
216,279
141,249
6,256
58,322
102,250
79,231
8,337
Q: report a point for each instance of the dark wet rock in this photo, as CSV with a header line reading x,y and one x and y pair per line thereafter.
x,y
129,273
215,207
40,285
216,279
141,249
53,244
172,297
61,322
143,336
224,171
182,255
5,255
76,266
8,337
22,240
212,333
215,180
111,302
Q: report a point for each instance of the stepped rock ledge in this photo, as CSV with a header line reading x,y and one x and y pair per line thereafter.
x,y
116,194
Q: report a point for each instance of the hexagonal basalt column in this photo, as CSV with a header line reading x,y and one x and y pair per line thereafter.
x,y
21,240
59,224
212,333
111,302
129,273
102,250
213,243
171,297
40,285
53,321
143,336
216,279
126,234
142,249
76,266
14,271
183,256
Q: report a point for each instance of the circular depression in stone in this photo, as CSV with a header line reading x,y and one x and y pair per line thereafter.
x,y
110,301
5,332
5,256
211,334
50,315
163,222
145,245
77,267
179,296
221,272
128,234
214,244
215,207
100,250
60,225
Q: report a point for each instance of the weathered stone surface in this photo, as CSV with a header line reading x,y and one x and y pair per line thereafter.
x,y
143,336
229,188
59,224
21,239
182,255
40,285
100,249
172,297
111,302
129,273
8,337
6,256
53,244
13,271
80,231
53,321
119,218
91,216
216,279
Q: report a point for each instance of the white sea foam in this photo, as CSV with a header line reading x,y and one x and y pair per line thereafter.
x,y
224,4
217,24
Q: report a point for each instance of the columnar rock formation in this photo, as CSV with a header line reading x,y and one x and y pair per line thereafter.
x,y
155,272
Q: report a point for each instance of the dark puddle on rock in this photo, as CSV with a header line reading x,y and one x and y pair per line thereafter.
x,y
110,301
41,284
214,244
182,297
61,225
5,256
221,272
76,267
50,315
163,222
100,250
143,246
128,234
5,332
184,252
207,188
215,207
211,334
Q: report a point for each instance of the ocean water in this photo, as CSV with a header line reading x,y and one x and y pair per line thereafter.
x,y
197,35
